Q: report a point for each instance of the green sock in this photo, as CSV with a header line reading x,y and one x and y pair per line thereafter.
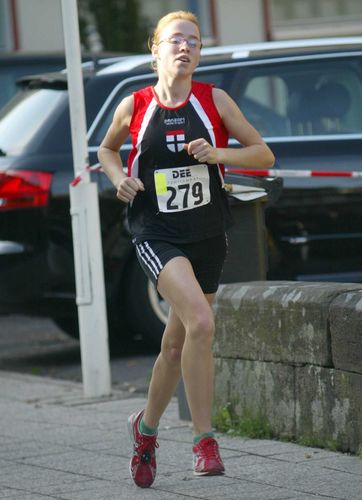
x,y
144,429
198,438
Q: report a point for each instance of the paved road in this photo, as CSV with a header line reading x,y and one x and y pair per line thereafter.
x,y
37,346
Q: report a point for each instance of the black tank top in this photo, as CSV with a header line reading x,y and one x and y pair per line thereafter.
x,y
183,201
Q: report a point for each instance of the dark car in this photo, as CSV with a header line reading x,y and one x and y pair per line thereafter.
x,y
16,64
305,99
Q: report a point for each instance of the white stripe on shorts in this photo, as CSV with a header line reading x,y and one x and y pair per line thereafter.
x,y
149,258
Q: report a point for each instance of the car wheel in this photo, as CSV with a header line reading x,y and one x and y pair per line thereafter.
x,y
68,325
147,311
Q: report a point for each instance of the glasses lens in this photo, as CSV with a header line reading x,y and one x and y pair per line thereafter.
x,y
176,40
193,43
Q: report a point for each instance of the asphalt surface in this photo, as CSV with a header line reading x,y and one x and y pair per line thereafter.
x,y
37,346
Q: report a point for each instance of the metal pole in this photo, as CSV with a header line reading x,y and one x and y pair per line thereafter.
x,y
268,25
87,245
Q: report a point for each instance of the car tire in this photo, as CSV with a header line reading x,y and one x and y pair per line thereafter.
x,y
146,310
117,343
68,325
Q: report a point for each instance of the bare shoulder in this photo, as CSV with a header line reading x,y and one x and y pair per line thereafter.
x,y
124,110
224,103
118,130
219,95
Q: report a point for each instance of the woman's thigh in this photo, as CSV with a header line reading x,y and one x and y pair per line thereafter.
x,y
178,285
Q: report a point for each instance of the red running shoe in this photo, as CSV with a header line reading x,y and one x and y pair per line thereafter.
x,y
143,462
207,461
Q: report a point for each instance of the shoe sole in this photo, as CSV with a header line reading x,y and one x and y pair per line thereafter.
x,y
130,426
210,473
130,423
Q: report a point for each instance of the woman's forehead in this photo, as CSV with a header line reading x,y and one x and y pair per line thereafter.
x,y
181,27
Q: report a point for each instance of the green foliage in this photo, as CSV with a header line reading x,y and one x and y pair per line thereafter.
x,y
228,422
316,442
120,25
258,427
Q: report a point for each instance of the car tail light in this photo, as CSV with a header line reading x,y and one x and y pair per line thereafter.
x,y
24,189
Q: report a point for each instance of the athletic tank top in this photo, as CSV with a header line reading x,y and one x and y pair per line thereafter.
x,y
183,201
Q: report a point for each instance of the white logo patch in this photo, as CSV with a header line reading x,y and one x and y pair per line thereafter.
x,y
175,140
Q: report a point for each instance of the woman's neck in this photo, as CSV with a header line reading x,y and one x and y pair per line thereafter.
x,y
172,92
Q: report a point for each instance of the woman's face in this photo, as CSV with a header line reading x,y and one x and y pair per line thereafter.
x,y
177,49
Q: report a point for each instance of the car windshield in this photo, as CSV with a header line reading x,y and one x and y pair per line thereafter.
x,y
23,117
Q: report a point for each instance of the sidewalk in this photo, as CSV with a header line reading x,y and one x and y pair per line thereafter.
x,y
56,444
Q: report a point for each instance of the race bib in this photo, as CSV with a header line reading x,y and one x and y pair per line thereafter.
x,y
182,188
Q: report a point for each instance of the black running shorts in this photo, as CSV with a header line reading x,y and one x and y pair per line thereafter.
x,y
206,257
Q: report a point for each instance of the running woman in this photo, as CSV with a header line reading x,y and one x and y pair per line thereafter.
x,y
178,214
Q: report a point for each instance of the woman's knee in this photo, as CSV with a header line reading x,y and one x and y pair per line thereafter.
x,y
172,353
202,327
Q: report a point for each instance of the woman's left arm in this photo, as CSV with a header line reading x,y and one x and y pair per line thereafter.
x,y
254,153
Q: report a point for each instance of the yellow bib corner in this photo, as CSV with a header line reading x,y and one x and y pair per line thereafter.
x,y
161,183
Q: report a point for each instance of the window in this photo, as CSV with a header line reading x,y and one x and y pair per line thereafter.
x,y
303,99
24,116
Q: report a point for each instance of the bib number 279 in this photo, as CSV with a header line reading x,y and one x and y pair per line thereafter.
x,y
196,196
182,188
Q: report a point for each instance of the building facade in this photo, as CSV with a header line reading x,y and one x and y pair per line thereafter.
x,y
36,25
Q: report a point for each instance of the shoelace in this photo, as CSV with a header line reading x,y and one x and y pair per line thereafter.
x,y
145,447
210,449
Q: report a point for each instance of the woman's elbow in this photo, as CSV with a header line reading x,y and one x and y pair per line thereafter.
x,y
268,158
102,153
99,153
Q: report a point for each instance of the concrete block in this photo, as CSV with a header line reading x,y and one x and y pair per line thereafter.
x,y
257,390
329,407
276,321
346,331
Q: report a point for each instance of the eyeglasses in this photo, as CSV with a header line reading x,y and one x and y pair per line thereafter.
x,y
192,43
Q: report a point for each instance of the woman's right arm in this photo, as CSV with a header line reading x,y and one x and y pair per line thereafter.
x,y
108,152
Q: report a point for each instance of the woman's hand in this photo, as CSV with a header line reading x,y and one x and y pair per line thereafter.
x,y
202,151
128,187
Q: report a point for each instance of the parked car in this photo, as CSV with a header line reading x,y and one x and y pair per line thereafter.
x,y
15,65
303,96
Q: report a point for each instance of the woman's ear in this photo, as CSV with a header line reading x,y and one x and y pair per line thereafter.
x,y
154,50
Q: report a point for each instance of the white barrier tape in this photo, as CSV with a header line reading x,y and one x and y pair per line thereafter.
x,y
274,172
257,172
93,168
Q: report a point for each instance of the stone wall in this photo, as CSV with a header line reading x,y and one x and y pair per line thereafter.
x,y
291,353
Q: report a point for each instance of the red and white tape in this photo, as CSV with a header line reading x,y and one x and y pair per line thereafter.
x,y
90,168
274,172
258,172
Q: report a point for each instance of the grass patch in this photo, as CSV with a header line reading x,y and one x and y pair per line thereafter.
x,y
228,422
316,442
256,427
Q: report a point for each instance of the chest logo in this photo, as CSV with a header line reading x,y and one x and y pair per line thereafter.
x,y
175,140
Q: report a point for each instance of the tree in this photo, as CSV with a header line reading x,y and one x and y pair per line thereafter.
x,y
117,24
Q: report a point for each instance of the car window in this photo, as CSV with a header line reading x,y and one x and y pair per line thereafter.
x,y
23,117
103,121
10,73
302,99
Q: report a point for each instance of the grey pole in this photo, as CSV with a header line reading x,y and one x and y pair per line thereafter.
x,y
87,243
